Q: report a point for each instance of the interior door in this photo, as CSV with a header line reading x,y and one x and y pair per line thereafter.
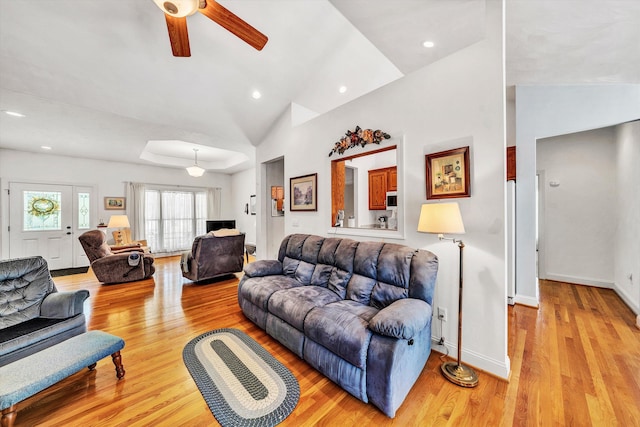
x,y
41,222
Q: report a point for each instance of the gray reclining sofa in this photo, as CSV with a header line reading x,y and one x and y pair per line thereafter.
x,y
359,312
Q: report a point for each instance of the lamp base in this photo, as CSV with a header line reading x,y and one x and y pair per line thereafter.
x,y
459,374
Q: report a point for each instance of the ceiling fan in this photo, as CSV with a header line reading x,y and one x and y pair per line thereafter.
x,y
176,12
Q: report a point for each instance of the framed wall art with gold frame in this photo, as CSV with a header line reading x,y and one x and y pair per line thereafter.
x,y
304,193
114,203
448,174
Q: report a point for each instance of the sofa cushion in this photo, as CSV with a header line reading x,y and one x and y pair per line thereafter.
x,y
345,253
260,289
311,248
394,269
32,331
294,246
327,254
360,288
403,319
365,260
265,267
304,272
321,275
342,328
23,285
338,282
292,305
289,266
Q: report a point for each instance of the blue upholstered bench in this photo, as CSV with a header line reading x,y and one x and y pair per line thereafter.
x,y
32,374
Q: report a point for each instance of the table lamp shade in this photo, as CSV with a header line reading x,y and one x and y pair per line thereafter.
x,y
118,221
440,218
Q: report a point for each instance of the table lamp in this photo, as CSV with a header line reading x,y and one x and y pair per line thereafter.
x,y
119,221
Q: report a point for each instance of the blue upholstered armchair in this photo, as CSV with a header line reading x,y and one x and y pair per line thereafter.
x,y
33,314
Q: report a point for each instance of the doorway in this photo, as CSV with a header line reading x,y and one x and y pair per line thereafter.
x,y
274,223
45,220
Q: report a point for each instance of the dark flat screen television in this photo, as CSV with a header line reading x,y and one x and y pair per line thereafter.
x,y
217,224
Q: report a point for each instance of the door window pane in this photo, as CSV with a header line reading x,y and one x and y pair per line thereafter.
x,y
83,211
42,210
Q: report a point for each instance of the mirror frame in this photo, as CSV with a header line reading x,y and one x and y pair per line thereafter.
x,y
337,191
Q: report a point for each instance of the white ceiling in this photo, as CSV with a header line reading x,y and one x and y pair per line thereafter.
x,y
96,78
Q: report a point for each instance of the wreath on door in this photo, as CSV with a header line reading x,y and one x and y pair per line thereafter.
x,y
42,207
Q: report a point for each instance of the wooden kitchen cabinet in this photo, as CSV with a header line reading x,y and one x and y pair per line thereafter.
x,y
511,163
377,189
381,181
392,179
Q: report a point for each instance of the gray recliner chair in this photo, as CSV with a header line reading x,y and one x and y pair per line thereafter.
x,y
212,256
33,314
111,266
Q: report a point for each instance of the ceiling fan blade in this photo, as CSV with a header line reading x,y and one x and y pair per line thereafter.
x,y
178,35
227,19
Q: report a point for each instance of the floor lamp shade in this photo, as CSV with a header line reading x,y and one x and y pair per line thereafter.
x,y
440,218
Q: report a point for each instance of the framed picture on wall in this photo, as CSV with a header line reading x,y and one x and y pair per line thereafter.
x,y
304,193
448,174
114,203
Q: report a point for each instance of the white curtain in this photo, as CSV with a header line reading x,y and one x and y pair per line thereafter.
x,y
214,203
177,220
135,209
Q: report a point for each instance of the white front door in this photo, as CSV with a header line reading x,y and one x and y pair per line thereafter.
x,y
41,223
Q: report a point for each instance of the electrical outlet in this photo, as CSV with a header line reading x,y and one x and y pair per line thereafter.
x,y
442,314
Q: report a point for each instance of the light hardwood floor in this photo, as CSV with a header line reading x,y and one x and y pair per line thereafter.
x,y
575,362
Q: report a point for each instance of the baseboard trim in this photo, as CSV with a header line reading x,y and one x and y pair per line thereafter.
x,y
580,281
493,367
525,300
627,300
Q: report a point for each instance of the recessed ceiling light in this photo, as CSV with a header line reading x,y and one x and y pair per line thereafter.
x,y
428,44
14,114
342,89
45,147
256,94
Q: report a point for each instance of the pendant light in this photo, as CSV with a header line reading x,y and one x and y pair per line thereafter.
x,y
195,170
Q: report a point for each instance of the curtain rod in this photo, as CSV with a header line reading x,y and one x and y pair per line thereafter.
x,y
168,185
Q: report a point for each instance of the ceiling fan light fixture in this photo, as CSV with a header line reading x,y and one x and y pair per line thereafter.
x,y
195,170
178,8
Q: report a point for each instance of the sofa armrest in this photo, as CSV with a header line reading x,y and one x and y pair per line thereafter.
x,y
126,249
402,319
62,305
265,267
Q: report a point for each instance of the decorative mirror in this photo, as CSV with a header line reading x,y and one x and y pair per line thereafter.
x,y
367,192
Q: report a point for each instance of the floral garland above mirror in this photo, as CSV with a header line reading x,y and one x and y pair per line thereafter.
x,y
359,137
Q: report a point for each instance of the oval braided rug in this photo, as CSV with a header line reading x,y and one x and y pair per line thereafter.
x,y
240,381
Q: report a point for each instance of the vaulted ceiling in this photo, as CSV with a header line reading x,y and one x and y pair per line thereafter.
x,y
97,79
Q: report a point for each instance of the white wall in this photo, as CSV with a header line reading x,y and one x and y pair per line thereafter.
x,y
108,177
544,111
627,246
243,185
577,240
459,96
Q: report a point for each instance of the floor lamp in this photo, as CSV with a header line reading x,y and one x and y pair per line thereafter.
x,y
440,219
